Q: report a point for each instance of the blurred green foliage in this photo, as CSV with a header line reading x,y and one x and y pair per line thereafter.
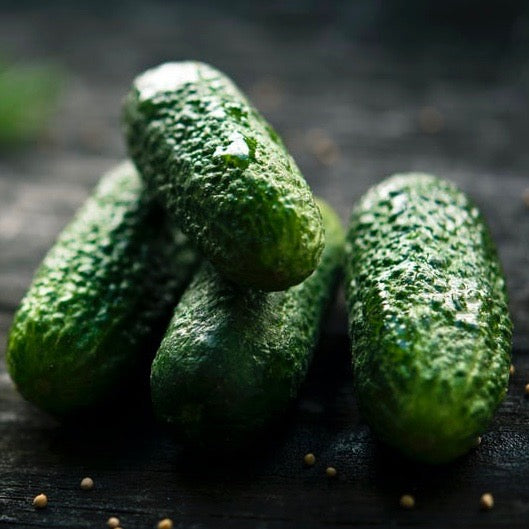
x,y
28,98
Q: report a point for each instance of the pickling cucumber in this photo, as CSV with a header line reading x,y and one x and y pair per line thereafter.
x,y
223,172
429,323
99,303
233,359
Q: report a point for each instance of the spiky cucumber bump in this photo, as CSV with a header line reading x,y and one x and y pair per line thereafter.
x,y
225,175
429,323
99,303
233,359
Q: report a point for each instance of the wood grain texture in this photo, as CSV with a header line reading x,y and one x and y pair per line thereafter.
x,y
354,104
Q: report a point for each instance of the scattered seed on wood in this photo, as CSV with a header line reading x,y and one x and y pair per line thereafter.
x,y
267,93
525,197
486,501
331,472
511,370
322,146
431,121
309,459
526,389
166,523
87,483
40,501
407,501
113,522
477,442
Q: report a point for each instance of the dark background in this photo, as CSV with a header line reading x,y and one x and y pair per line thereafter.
x,y
358,90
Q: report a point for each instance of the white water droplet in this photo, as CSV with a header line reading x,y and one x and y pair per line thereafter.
x,y
237,148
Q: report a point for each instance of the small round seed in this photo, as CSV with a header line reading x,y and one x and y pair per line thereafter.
x,y
512,370
525,197
407,501
309,459
526,389
477,442
40,501
166,523
431,120
331,472
87,483
486,501
113,522
322,146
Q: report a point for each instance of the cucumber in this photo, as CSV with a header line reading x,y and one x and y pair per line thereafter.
x,y
225,175
232,359
101,300
429,323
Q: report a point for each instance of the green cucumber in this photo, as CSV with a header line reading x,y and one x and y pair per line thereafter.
x,y
99,303
222,170
232,359
429,323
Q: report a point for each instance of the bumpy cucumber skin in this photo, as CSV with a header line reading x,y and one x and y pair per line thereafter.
x,y
99,303
220,167
232,359
429,323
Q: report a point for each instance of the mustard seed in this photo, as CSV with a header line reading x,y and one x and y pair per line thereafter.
x,y
525,197
40,501
431,121
166,523
486,501
331,472
407,501
309,459
87,483
113,522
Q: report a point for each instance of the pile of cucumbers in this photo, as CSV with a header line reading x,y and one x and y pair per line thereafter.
x,y
210,254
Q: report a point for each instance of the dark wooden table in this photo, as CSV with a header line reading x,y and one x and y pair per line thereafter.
x,y
355,99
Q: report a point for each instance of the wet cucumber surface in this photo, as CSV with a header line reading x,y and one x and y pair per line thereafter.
x,y
100,301
233,359
225,174
429,324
